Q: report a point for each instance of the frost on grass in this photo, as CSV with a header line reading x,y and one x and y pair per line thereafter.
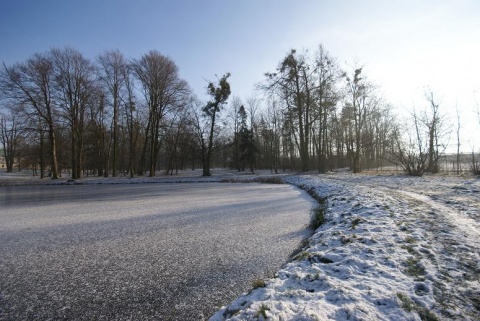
x,y
391,248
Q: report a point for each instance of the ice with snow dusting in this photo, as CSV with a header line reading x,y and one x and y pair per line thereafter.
x,y
393,248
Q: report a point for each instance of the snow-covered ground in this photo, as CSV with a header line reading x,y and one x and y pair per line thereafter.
x,y
392,248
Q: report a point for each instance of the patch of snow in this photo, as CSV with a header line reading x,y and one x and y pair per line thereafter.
x,y
392,248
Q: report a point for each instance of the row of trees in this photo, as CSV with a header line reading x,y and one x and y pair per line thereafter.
x,y
62,112
67,112
331,117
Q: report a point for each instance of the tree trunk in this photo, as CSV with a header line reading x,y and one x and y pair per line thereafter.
x,y
206,167
114,134
53,150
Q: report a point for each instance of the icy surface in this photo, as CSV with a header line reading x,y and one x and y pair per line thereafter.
x,y
393,248
141,252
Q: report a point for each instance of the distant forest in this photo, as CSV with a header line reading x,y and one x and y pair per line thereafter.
x,y
63,114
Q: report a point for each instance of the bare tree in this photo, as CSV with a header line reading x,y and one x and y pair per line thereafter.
x,y
233,115
253,106
30,85
163,90
199,126
175,137
112,74
75,85
219,94
327,96
10,134
358,92
131,115
100,153
433,122
294,83
411,153
271,135
381,127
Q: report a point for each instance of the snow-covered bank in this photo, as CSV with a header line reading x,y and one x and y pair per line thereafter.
x,y
393,248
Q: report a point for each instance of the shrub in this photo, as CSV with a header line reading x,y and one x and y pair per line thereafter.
x,y
269,180
258,283
317,216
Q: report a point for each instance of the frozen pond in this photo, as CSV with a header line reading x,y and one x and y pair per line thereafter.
x,y
147,251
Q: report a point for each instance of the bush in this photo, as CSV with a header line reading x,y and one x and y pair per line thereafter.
x,y
269,180
317,217
258,283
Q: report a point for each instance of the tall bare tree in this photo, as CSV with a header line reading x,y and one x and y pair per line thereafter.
x,y
163,91
294,83
252,108
327,96
10,132
234,117
176,139
75,85
112,74
219,94
31,85
274,120
199,127
433,121
131,115
100,136
358,101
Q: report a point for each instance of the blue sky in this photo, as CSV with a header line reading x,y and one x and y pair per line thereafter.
x,y
405,46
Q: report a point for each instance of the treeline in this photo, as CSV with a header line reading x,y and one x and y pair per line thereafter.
x,y
108,116
62,112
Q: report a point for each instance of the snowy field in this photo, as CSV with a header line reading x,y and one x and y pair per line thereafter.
x,y
392,248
